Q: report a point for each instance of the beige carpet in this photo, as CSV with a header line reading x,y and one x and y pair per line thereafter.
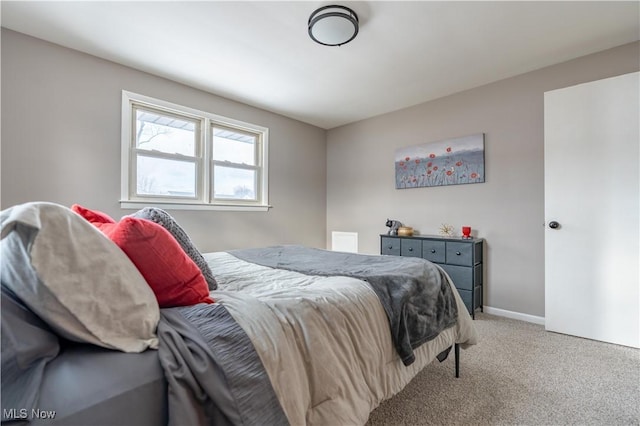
x,y
520,374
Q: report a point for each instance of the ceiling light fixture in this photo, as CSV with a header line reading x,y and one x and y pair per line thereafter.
x,y
333,25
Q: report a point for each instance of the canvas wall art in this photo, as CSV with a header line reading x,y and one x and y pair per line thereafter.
x,y
448,162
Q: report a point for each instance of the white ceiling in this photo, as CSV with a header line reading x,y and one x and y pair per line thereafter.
x,y
259,53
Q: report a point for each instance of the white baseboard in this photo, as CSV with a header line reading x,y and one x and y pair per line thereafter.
x,y
514,315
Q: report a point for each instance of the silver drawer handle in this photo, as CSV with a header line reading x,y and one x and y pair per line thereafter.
x,y
433,250
390,247
410,248
458,253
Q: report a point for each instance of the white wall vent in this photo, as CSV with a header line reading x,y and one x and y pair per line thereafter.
x,y
344,241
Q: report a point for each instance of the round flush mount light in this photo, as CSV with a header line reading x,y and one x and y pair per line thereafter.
x,y
333,25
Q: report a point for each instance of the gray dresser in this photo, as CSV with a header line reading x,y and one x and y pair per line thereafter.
x,y
461,258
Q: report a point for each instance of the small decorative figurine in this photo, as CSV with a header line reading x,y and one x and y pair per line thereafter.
x,y
393,226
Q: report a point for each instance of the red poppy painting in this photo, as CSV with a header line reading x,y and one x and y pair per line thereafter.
x,y
447,162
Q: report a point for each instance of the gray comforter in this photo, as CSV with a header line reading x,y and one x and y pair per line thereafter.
x,y
414,292
215,375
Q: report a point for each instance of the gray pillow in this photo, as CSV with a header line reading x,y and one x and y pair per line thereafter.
x,y
75,279
165,220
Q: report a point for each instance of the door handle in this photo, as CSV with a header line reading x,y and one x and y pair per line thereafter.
x,y
554,225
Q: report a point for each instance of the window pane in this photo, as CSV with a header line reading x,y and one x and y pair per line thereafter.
x,y
233,146
165,133
236,184
171,178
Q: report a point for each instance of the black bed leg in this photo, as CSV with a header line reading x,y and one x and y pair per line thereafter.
x,y
456,351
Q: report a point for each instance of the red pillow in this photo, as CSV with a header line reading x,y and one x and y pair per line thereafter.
x,y
174,278
93,216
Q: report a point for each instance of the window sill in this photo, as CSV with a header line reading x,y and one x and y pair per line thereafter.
x,y
192,206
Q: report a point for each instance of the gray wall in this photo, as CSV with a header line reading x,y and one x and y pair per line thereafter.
x,y
61,143
507,210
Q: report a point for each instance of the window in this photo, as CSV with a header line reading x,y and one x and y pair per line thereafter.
x,y
178,156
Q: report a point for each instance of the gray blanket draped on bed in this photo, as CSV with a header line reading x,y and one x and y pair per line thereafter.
x,y
215,375
414,292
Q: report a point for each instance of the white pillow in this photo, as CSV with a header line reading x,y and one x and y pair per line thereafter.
x,y
76,279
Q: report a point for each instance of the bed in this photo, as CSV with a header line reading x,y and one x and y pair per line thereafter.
x,y
296,335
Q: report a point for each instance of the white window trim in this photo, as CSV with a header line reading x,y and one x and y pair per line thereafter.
x,y
189,204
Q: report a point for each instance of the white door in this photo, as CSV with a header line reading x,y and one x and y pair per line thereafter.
x,y
592,187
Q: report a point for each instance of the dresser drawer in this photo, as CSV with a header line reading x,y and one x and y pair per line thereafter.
x,y
390,246
433,250
411,248
459,254
466,298
461,276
